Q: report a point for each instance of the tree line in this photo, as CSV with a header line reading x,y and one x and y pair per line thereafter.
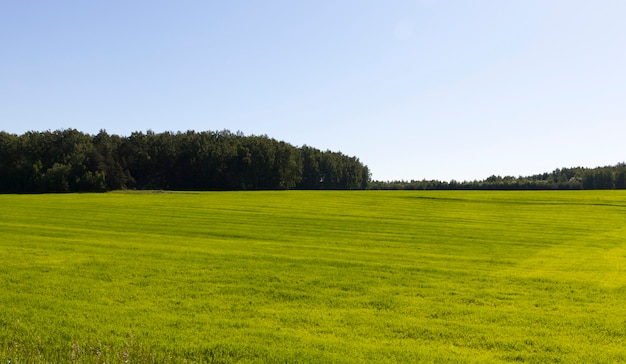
x,y
72,161
579,178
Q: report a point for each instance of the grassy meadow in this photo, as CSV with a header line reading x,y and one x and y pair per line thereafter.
x,y
304,276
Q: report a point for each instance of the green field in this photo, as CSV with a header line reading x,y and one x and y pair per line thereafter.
x,y
303,276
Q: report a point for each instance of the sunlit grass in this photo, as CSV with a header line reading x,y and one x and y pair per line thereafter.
x,y
302,276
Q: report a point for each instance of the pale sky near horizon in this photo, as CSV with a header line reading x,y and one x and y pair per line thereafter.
x,y
429,89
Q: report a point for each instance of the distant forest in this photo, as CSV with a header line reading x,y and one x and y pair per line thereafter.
x,y
579,178
72,161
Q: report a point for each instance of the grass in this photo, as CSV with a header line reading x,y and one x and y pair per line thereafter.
x,y
301,276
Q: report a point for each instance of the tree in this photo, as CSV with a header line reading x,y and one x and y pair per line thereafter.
x,y
11,163
68,161
109,162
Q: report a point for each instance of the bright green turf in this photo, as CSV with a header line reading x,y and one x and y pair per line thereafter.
x,y
301,276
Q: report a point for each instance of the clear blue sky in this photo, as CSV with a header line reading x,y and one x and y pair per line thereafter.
x,y
431,89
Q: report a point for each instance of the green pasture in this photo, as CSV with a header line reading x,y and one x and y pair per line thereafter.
x,y
304,276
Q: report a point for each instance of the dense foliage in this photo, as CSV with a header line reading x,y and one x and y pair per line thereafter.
x,y
612,177
72,161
